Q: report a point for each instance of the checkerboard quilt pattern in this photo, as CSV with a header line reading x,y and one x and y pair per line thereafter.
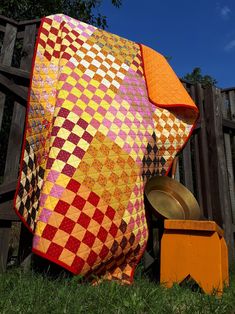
x,y
93,138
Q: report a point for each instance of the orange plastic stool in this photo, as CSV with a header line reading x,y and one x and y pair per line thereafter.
x,y
196,249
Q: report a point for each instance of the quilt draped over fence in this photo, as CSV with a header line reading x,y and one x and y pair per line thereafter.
x,y
104,115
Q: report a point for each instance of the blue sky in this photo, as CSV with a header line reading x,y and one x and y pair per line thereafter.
x,y
194,33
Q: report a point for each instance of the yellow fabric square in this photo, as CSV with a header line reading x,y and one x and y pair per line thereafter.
x,y
63,133
62,180
55,219
40,227
69,147
43,245
73,161
50,202
67,257
86,116
61,238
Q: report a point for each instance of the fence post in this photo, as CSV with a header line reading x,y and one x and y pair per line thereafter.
x,y
201,160
218,169
5,59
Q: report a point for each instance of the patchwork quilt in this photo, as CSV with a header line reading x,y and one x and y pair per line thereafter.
x,y
104,115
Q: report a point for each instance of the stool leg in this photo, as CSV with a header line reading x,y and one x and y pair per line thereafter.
x,y
208,268
173,261
224,262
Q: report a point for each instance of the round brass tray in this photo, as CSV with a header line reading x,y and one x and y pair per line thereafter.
x,y
171,199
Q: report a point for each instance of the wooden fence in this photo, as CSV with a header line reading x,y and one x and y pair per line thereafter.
x,y
206,165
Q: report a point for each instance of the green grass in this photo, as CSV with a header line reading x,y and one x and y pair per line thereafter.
x,y
36,293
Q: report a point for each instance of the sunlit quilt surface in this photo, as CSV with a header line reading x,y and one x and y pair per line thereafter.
x,y
104,115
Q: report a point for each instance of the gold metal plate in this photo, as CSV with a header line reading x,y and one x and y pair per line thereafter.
x,y
171,199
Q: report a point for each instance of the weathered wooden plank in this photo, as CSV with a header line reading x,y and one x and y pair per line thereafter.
x,y
229,143
227,89
196,157
8,45
5,229
16,90
230,169
2,29
177,173
7,212
29,22
4,19
231,96
225,105
203,153
192,92
233,228
8,187
18,118
198,184
228,125
187,162
6,57
15,71
16,135
218,168
20,34
28,47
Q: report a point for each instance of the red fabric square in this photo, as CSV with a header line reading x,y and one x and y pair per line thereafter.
x,y
84,220
56,53
78,202
55,130
73,185
77,34
47,55
73,48
68,125
73,244
93,199
113,230
66,56
58,142
67,225
45,31
91,258
89,238
50,43
54,250
102,234
98,216
87,137
110,212
63,113
68,170
50,162
49,232
62,207
48,21
104,252
73,138
69,38
79,41
77,264
82,123
63,155
78,152
54,30
42,43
